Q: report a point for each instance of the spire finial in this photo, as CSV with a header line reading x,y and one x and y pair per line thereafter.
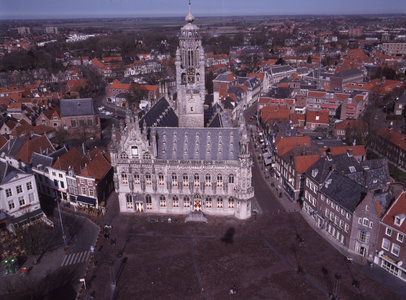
x,y
190,18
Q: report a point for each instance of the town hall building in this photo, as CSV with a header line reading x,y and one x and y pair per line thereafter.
x,y
171,162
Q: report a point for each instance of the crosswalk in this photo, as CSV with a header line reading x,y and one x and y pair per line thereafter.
x,y
75,258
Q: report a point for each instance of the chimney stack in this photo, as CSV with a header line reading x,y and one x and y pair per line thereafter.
x,y
349,152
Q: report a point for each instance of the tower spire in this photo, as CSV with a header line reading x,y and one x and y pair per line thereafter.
x,y
190,18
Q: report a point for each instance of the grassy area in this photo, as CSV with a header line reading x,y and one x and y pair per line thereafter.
x,y
397,174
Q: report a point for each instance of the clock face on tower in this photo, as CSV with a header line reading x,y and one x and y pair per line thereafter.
x,y
191,71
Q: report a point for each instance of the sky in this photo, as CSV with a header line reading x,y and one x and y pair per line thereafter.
x,y
53,9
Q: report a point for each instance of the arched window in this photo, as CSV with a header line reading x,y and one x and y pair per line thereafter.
x,y
147,155
148,178
208,202
219,180
124,178
134,151
231,178
161,179
183,78
174,180
208,180
137,178
130,204
148,201
197,56
162,201
196,180
185,180
186,201
183,58
219,202
231,202
175,201
190,57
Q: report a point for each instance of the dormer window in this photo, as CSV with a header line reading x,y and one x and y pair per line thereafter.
x,y
134,151
399,219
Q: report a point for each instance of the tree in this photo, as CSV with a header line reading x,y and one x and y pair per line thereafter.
x,y
135,94
36,238
309,59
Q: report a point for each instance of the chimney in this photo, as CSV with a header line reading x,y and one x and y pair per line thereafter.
x,y
366,176
32,132
383,79
349,152
333,167
329,156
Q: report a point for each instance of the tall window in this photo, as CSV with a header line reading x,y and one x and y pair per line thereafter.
x,y
137,178
89,122
91,192
31,197
124,178
231,178
363,236
162,201
395,249
29,186
82,123
73,122
21,201
231,202
19,189
175,201
9,193
219,202
130,204
161,179
174,180
219,180
186,201
208,202
11,204
385,244
185,180
83,191
208,180
148,178
196,180
190,57
148,201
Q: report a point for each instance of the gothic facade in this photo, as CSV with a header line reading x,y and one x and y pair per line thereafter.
x,y
169,163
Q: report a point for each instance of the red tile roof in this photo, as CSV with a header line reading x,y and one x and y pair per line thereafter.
x,y
356,150
36,145
73,158
393,136
97,167
305,162
398,208
283,145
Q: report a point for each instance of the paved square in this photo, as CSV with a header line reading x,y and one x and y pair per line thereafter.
x,y
164,260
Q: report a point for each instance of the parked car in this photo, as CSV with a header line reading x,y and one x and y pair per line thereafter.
x,y
251,119
108,113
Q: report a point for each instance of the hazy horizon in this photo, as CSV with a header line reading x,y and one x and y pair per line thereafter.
x,y
76,9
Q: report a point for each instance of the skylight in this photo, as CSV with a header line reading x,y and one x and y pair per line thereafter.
x,y
352,169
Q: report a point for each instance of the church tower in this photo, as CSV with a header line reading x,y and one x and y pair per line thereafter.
x,y
190,75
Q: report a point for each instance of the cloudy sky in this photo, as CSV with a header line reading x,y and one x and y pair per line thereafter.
x,y
25,9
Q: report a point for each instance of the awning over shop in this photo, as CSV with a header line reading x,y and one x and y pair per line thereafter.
x,y
351,106
324,106
332,106
267,160
350,111
86,200
29,215
332,101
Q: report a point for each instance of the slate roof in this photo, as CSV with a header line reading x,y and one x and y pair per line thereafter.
x,y
279,93
348,197
13,146
280,68
198,143
216,122
323,166
383,200
58,153
377,176
161,108
40,159
78,107
348,73
5,170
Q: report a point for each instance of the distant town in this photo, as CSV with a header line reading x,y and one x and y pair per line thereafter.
x,y
201,120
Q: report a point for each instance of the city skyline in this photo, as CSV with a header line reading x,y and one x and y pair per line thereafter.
x,y
47,9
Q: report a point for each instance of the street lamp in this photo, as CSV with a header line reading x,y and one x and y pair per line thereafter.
x,y
57,199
